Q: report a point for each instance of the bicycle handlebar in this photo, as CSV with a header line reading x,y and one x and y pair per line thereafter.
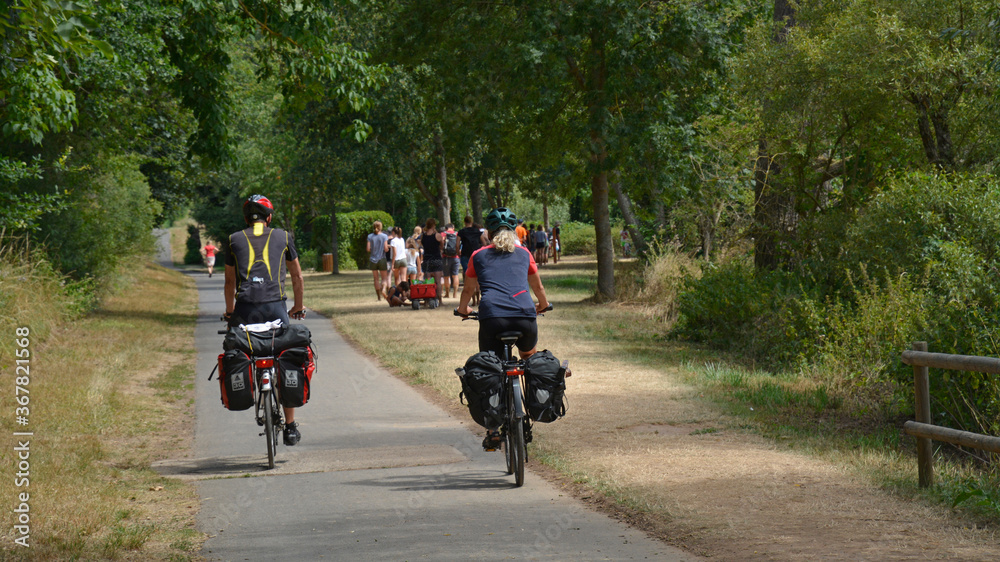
x,y
474,315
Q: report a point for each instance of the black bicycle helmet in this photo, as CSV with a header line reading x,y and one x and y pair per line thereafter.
x,y
501,217
257,208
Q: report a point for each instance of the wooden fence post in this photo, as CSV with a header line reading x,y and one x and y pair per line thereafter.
x,y
925,450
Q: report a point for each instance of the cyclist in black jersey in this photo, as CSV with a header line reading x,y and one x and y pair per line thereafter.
x,y
258,258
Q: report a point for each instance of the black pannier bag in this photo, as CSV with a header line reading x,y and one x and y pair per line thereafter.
x,y
295,371
236,380
262,344
482,387
545,380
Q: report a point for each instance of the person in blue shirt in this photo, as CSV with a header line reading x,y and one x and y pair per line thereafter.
x,y
504,272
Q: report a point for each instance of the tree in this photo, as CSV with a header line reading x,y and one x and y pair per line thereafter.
x,y
915,98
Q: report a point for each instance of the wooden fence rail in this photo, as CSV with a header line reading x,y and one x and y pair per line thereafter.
x,y
922,428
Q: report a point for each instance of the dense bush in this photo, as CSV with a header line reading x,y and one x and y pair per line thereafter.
x,y
767,317
577,238
352,236
192,256
916,264
108,221
310,260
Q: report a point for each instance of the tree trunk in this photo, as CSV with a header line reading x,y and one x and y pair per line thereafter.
x,y
783,11
476,195
764,243
497,191
631,223
545,215
334,240
602,227
772,202
443,202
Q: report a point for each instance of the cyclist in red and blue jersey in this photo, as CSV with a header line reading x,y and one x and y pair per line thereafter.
x,y
504,271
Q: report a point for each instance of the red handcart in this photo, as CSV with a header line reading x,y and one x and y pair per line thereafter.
x,y
426,292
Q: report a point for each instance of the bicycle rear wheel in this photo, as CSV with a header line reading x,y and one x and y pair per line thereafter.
x,y
269,429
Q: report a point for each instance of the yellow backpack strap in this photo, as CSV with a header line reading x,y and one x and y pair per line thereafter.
x,y
249,343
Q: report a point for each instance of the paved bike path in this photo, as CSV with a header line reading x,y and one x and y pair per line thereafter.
x,y
380,474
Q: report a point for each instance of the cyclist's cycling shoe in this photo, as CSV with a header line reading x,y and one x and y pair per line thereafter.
x,y
492,441
291,434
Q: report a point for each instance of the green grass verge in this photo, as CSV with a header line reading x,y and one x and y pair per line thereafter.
x,y
109,393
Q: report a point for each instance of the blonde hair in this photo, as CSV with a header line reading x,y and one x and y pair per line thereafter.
x,y
377,226
504,240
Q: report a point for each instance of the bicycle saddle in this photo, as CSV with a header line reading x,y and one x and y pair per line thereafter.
x,y
509,336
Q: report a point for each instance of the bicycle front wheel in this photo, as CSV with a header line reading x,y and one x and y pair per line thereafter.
x,y
269,432
515,436
508,439
515,439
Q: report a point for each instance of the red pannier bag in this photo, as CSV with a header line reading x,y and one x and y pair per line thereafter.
x,y
236,380
295,370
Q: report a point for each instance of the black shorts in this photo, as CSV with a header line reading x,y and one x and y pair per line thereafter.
x,y
433,265
258,313
490,327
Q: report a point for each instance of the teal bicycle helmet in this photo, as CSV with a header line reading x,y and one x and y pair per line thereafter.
x,y
501,217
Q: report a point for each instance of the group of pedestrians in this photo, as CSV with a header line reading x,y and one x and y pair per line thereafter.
x,y
442,255
541,243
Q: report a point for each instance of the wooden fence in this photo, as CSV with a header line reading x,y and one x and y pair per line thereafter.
x,y
922,428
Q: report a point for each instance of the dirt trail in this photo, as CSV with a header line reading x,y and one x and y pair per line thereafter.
x,y
644,438
728,494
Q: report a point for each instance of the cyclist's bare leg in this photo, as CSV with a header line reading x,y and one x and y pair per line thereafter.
x,y
289,415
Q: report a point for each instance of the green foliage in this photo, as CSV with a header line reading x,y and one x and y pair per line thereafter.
x,y
107,222
913,266
352,236
980,494
577,238
765,316
310,260
192,256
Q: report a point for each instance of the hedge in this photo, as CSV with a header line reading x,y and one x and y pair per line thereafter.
x,y
352,236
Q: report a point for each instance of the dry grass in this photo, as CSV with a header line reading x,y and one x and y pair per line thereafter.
x,y
655,286
110,393
640,434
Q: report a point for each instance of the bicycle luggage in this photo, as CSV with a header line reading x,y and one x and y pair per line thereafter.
x,y
545,382
267,343
236,380
295,371
482,387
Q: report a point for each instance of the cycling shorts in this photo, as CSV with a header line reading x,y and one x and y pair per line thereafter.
x,y
490,327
